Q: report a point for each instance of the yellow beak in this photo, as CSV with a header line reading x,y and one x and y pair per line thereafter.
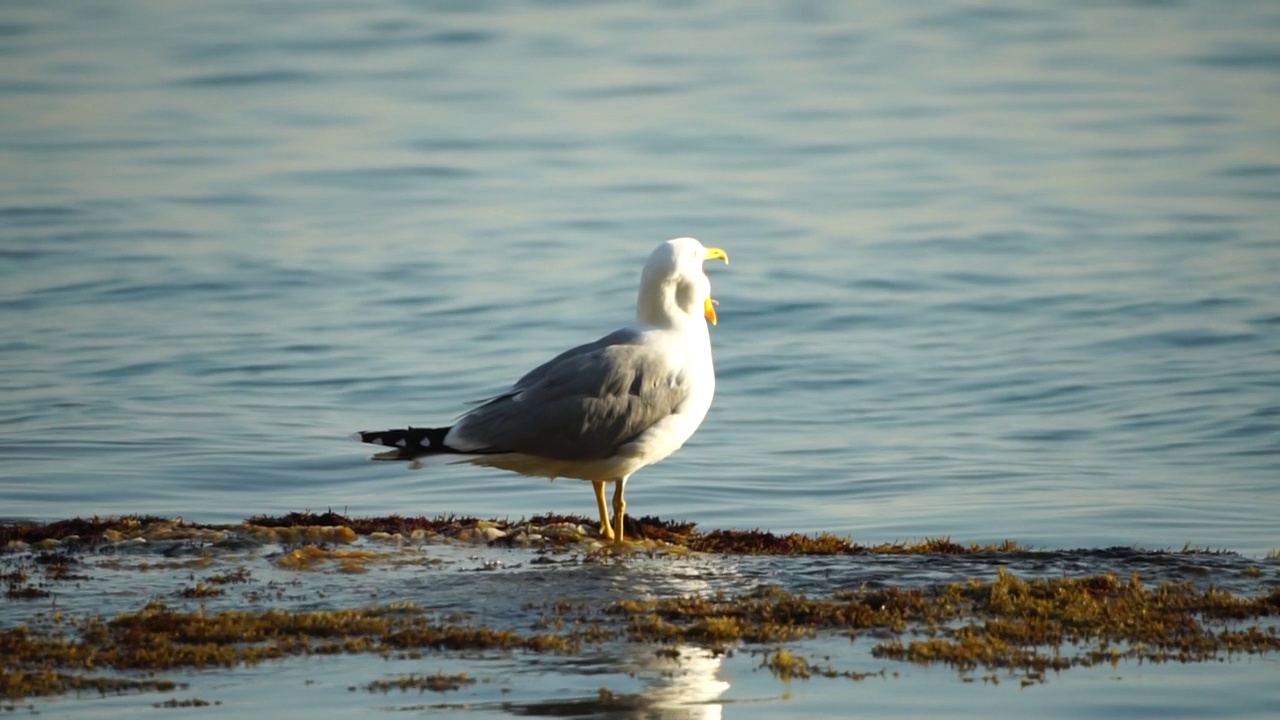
x,y
709,307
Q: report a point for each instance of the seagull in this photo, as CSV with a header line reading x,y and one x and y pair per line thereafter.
x,y
599,411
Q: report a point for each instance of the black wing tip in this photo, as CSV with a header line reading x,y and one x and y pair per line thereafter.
x,y
407,443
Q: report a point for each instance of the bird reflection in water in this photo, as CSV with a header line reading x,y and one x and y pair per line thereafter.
x,y
681,683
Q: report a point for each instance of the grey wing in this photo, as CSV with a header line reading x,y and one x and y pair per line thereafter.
x,y
625,336
582,405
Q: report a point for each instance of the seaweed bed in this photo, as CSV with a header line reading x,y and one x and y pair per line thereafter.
x,y
296,526
222,596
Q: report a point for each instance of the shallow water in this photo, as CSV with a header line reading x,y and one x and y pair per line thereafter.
x,y
737,686
999,271
619,674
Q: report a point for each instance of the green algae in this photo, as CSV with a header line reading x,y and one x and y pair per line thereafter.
x,y
1040,625
300,529
159,637
186,703
45,682
26,592
201,590
436,682
75,528
787,665
1035,625
1032,626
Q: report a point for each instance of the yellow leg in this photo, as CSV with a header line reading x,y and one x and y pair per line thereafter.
x,y
619,507
605,529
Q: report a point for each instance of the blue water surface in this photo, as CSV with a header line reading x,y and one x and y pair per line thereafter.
x,y
1000,270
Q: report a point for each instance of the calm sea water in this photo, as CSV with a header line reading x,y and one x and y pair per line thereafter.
x,y
999,270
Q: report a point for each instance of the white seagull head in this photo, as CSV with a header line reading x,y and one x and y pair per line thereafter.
x,y
673,286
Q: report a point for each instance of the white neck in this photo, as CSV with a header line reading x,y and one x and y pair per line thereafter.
x,y
661,307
